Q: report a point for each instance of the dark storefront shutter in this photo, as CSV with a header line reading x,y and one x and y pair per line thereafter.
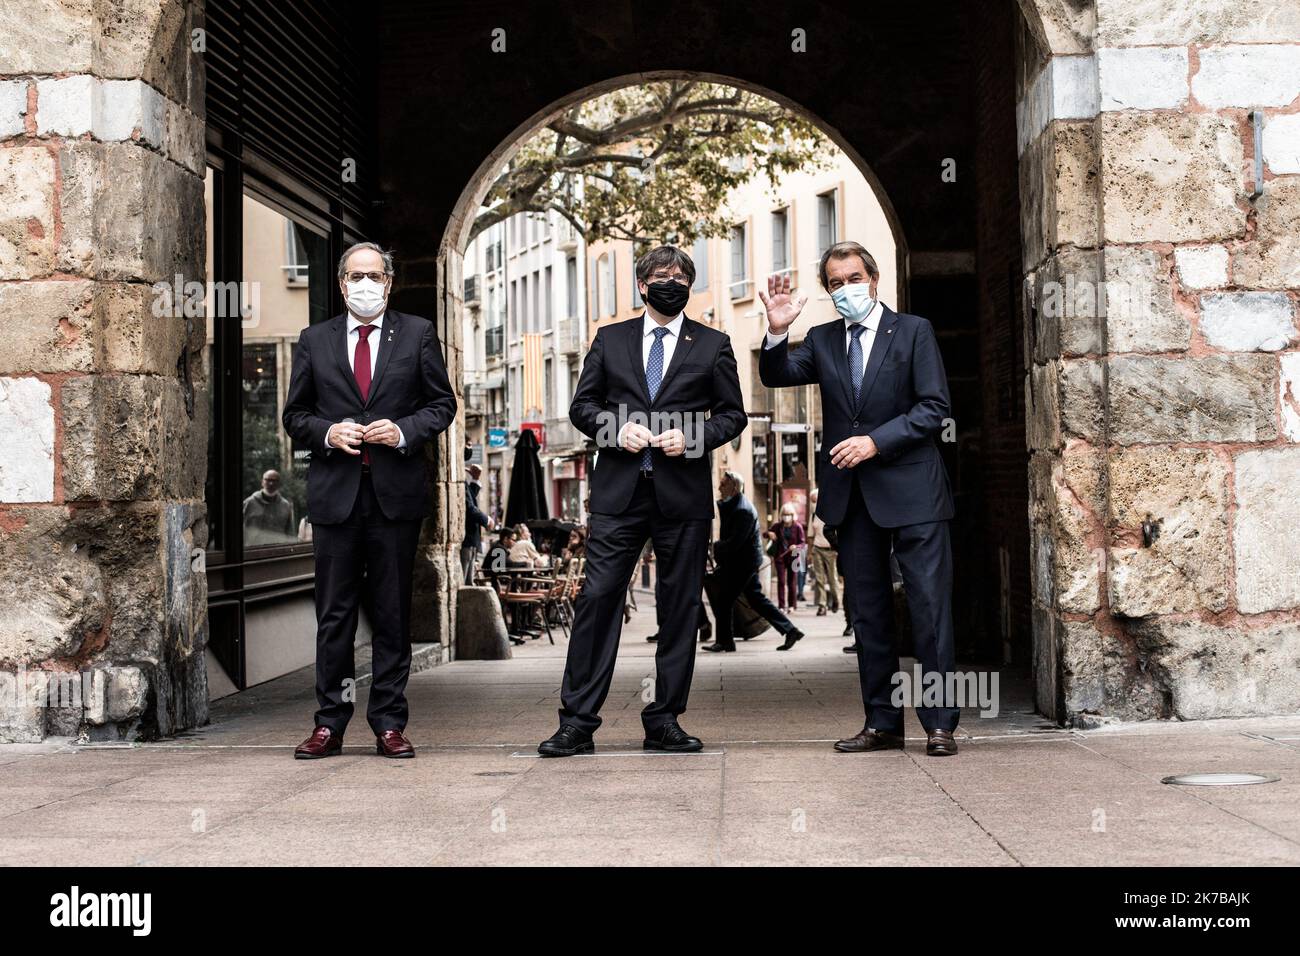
x,y
287,80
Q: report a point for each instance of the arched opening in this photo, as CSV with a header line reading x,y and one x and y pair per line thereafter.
x,y
936,282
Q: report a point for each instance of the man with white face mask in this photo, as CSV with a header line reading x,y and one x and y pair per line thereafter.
x,y
369,392
882,484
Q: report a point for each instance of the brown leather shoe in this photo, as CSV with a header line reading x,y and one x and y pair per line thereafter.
x,y
940,743
323,742
393,743
868,739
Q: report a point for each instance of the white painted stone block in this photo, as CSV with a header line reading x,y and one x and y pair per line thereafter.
x,y
27,422
1202,267
13,107
1289,395
1146,78
1247,321
1266,74
1264,539
1282,143
127,105
66,106
1066,88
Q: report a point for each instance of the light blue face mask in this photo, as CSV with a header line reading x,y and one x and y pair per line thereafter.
x,y
853,301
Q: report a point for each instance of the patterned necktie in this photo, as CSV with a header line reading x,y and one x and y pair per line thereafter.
x,y
654,375
361,369
855,360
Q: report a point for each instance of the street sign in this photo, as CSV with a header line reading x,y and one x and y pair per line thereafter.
x,y
497,437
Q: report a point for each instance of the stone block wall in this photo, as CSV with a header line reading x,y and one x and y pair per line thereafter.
x,y
1161,288
102,590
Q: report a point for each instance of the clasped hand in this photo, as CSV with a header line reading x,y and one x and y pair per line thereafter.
x,y
347,436
637,437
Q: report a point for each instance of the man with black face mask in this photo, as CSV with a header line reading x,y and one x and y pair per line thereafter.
x,y
657,393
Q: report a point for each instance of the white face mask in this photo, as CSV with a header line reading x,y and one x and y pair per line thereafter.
x,y
366,298
853,301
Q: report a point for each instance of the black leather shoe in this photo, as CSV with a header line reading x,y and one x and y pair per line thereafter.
x,y
791,639
653,638
940,743
866,740
672,738
568,741
706,633
848,630
851,649
719,646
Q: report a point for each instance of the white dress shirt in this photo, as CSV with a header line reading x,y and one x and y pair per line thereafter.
x,y
373,340
871,322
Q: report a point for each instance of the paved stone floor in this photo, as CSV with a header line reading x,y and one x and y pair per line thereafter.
x,y
767,790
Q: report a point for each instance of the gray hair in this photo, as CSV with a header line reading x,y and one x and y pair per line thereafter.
x,y
357,247
847,250
735,479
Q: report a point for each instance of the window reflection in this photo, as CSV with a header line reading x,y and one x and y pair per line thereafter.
x,y
288,263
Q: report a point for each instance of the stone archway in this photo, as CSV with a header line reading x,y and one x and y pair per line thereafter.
x,y
442,549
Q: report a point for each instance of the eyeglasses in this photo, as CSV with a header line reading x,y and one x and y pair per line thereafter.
x,y
372,276
663,276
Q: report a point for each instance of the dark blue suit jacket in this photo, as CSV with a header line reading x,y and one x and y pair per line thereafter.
x,y
902,406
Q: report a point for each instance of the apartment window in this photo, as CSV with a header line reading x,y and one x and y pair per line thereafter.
x,y
534,311
739,263
525,317
549,309
514,308
605,285
571,287
827,222
295,254
781,240
700,254
548,383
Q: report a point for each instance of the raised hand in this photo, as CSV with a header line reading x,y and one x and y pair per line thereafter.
x,y
782,308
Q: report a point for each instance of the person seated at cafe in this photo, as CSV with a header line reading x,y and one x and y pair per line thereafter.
x,y
524,553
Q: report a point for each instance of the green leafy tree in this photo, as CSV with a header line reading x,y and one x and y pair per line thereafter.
x,y
653,162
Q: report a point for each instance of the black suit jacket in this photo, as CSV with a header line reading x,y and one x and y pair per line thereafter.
x,y
902,406
410,388
700,380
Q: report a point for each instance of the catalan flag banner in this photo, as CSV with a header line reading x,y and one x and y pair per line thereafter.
x,y
532,372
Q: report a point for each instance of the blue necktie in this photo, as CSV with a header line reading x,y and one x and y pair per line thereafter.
x,y
855,361
654,375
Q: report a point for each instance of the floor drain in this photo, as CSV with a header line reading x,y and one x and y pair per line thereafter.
x,y
1220,779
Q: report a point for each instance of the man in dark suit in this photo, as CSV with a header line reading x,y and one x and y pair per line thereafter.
x,y
475,521
738,554
369,391
884,399
658,393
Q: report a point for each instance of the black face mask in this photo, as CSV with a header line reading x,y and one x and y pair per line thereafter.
x,y
667,297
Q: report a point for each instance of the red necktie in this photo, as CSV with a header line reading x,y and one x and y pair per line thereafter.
x,y
361,369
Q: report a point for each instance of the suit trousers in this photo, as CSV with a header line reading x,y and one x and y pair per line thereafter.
x,y
924,554
614,545
367,561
